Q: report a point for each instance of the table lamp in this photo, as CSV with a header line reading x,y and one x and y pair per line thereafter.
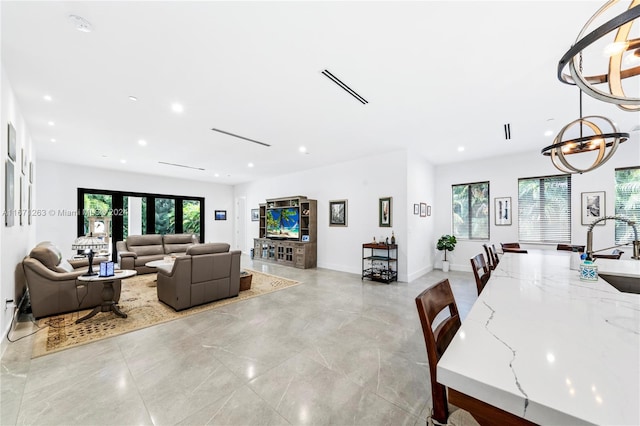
x,y
87,244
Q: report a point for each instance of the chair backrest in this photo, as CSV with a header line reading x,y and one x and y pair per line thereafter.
x,y
615,254
491,261
513,250
510,245
430,303
496,259
481,271
569,247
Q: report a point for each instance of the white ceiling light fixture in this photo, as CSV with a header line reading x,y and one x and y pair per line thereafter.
x,y
250,165
123,161
142,142
51,123
47,98
80,23
52,140
177,108
303,149
460,148
616,52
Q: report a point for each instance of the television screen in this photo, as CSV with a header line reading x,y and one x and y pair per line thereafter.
x,y
283,222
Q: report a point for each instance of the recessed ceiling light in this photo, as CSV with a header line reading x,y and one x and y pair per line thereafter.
x,y
123,161
47,98
51,123
250,165
80,23
216,175
460,148
178,108
302,149
548,133
53,139
133,98
142,142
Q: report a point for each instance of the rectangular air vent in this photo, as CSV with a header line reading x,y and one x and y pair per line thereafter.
x,y
343,86
180,165
240,137
507,131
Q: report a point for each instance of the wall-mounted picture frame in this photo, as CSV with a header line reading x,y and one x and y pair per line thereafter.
x,y
9,194
255,215
593,207
305,238
11,142
428,210
338,213
385,211
220,215
29,198
30,171
502,211
20,203
423,209
416,209
23,160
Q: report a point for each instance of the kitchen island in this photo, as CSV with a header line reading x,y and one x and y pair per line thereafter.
x,y
544,345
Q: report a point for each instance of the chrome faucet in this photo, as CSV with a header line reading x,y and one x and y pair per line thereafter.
x,y
636,242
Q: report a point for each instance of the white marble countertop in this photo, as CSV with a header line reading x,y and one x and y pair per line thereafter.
x,y
544,345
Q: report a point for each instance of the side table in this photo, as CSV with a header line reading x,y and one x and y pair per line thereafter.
x,y
108,304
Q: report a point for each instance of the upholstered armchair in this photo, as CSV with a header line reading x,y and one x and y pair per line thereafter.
x,y
52,284
207,272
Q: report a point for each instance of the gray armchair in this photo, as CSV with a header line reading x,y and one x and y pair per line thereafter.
x,y
207,272
52,284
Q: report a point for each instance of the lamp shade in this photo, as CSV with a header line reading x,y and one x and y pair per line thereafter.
x,y
83,243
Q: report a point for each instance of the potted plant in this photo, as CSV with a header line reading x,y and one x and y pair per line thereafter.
x,y
446,243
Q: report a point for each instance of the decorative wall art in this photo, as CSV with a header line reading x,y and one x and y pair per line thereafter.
x,y
423,209
385,212
428,210
20,203
593,207
11,142
502,211
9,194
29,199
338,213
416,209
23,159
31,172
255,215
220,215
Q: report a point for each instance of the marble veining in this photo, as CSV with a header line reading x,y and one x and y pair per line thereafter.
x,y
574,346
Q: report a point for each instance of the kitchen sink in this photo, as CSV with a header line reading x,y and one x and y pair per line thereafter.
x,y
623,284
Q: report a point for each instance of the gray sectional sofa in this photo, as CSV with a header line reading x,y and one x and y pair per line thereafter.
x,y
137,250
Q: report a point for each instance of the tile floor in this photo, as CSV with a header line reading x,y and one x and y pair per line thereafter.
x,y
334,350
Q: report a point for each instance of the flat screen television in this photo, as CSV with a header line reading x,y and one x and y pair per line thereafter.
x,y
283,222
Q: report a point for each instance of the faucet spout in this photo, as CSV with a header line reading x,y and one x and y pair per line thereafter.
x,y
636,242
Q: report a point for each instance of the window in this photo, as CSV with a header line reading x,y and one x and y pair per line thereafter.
x,y
471,210
627,202
544,209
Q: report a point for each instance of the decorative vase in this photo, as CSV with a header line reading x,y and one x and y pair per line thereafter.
x,y
445,266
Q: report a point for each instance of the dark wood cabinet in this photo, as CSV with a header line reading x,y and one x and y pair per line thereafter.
x,y
380,262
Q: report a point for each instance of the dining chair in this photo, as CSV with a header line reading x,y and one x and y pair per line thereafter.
x,y
510,245
513,250
481,271
491,261
615,254
496,259
569,247
430,303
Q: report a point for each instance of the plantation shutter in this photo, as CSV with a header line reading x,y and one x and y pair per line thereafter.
x,y
544,209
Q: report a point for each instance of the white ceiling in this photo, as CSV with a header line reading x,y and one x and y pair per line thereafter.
x,y
437,75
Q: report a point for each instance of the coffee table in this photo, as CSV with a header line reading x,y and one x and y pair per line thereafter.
x,y
108,304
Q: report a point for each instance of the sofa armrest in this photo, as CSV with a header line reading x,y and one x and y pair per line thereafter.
x,y
127,254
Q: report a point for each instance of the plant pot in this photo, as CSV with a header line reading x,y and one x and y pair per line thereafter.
x,y
445,266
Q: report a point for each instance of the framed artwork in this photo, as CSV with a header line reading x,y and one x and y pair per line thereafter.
x,y
30,171
338,213
9,194
428,210
416,209
23,158
29,198
385,212
220,215
255,215
20,203
423,209
502,211
592,207
305,238
11,142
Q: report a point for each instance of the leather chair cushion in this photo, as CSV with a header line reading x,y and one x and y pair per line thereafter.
x,y
208,248
47,254
178,239
144,240
146,250
176,248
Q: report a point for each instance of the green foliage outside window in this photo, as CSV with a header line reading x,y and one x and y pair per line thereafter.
x,y
627,202
471,210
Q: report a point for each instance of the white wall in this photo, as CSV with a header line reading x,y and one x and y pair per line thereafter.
x,y
503,173
421,187
15,241
58,190
362,182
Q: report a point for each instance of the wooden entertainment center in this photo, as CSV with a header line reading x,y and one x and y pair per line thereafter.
x,y
297,248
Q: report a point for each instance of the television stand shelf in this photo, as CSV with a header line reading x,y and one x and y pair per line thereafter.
x,y
290,253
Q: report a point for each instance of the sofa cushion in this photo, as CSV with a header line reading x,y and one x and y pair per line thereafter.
x,y
47,254
208,248
178,243
145,245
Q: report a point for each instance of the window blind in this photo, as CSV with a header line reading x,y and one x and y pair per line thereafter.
x,y
470,210
627,203
544,209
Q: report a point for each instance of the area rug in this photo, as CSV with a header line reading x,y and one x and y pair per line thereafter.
x,y
139,300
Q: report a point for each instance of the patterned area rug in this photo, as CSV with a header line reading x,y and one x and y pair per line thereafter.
x,y
139,301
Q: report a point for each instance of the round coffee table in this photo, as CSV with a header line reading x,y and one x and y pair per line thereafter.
x,y
108,304
167,265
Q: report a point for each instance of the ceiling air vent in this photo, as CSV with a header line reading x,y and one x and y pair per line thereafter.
x,y
343,86
507,131
180,165
240,137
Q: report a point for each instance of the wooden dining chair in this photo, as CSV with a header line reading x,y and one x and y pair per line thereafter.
x,y
496,259
481,272
615,254
510,245
569,247
430,303
491,261
513,250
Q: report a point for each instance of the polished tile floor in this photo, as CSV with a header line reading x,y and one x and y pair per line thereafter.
x,y
334,350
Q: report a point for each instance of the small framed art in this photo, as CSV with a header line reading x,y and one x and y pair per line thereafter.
x,y
593,207
416,209
255,215
385,212
220,215
423,209
338,213
502,211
